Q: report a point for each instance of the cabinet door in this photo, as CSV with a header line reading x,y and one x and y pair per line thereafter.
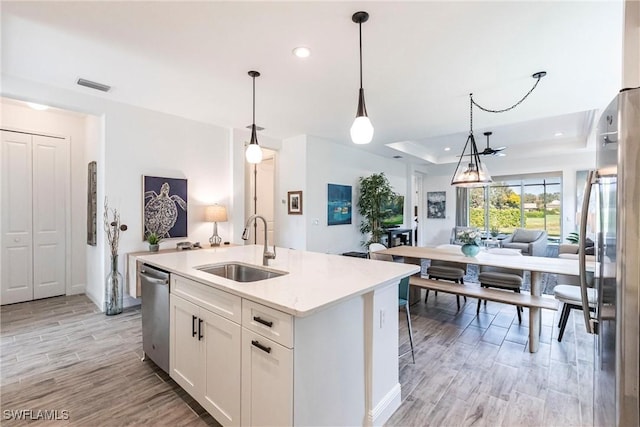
x,y
185,361
221,393
267,382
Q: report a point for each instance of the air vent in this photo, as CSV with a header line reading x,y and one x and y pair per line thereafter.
x,y
94,85
257,127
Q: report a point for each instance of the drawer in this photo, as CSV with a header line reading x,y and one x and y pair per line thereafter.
x,y
268,322
220,302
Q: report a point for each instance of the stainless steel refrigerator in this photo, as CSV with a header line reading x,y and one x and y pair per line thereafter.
x,y
615,186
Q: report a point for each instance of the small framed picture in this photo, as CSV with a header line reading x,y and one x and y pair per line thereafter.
x,y
294,202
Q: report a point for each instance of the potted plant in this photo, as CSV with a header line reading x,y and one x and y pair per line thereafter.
x,y
470,239
154,241
375,194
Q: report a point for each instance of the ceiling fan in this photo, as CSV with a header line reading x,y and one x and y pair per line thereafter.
x,y
491,151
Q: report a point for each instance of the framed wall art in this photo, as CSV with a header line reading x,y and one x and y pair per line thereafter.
x,y
294,202
436,204
165,206
338,204
92,203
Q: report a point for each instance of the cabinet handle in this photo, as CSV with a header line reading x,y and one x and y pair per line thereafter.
x,y
200,336
193,325
260,346
264,322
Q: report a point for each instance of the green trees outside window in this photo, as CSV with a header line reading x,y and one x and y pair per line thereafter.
x,y
532,203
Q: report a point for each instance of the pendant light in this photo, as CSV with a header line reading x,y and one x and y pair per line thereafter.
x,y
361,129
475,173
254,152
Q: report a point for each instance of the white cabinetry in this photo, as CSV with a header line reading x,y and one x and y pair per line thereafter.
x,y
267,366
205,347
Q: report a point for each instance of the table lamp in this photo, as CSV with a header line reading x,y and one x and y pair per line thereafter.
x,y
216,213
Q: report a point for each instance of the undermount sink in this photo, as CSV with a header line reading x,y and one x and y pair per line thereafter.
x,y
240,272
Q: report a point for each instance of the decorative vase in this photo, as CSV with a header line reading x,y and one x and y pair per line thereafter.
x,y
114,289
470,249
154,248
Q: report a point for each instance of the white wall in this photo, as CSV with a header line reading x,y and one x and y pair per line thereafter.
x,y
95,267
333,163
292,229
631,44
73,126
437,231
140,142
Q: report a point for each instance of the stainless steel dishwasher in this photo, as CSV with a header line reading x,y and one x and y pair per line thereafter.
x,y
155,314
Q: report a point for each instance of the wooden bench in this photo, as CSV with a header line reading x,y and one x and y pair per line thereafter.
x,y
475,291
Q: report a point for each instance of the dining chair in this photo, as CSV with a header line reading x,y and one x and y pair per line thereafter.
x,y
374,247
501,278
403,298
447,270
569,294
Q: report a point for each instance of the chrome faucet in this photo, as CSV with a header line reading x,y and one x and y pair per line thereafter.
x,y
266,255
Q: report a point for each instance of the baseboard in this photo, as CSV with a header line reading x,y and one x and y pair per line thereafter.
x,y
386,407
94,300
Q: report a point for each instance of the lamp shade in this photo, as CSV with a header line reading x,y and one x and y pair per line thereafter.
x,y
253,153
216,213
361,130
472,176
474,173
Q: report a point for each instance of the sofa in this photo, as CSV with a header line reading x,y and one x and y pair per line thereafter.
x,y
529,242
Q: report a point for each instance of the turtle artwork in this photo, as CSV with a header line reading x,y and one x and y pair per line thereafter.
x,y
161,208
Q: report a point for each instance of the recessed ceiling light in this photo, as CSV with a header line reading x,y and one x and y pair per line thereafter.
x,y
447,148
302,52
38,107
558,134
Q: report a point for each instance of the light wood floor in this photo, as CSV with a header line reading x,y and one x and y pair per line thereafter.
x,y
477,371
63,354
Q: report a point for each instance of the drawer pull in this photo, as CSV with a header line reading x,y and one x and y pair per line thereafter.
x,y
200,336
260,346
264,322
193,326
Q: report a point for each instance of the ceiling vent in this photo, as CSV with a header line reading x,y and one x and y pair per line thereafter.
x,y
94,85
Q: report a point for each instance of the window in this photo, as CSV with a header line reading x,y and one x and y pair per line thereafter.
x,y
533,202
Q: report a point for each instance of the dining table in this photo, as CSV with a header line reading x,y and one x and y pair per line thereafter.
x,y
534,264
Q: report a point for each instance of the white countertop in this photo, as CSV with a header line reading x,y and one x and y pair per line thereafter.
x,y
315,281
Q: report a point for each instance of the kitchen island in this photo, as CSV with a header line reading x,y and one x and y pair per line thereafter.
x,y
315,346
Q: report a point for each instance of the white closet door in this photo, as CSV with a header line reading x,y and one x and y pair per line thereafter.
x,y
50,165
17,259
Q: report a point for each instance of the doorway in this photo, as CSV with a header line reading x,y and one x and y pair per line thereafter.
x,y
260,182
35,205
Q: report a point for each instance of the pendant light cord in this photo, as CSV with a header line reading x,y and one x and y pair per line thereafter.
x,y
254,100
360,31
537,76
